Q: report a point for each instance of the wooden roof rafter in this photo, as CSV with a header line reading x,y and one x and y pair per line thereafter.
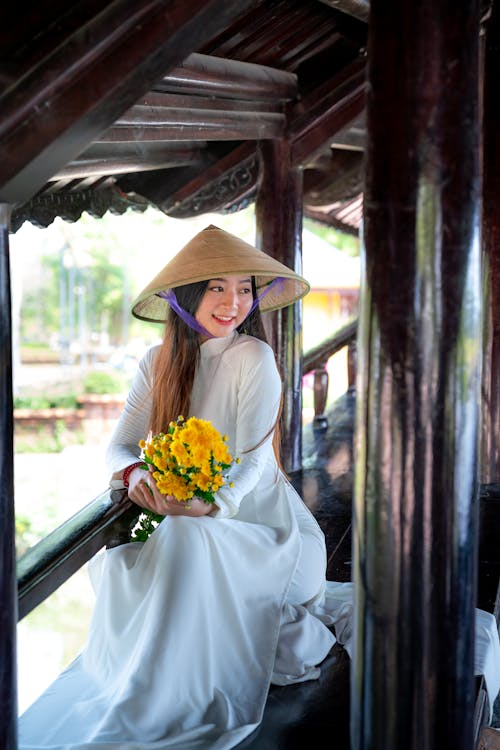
x,y
356,8
306,129
277,69
129,157
72,94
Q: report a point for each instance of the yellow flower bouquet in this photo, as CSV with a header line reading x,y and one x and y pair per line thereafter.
x,y
190,459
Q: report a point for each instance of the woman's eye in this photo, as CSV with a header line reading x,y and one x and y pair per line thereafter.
x,y
246,291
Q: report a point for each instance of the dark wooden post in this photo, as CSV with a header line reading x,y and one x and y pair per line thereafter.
x,y
8,582
320,390
351,365
419,362
490,463
320,420
278,212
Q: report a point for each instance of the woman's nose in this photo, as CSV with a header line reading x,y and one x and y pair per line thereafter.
x,y
230,299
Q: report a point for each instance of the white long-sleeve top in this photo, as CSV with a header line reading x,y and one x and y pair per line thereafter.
x,y
237,387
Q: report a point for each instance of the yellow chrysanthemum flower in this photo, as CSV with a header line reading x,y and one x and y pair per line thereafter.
x,y
149,451
203,482
179,452
189,459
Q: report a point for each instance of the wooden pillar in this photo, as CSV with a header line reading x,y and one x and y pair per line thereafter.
x,y
8,581
490,459
278,214
419,363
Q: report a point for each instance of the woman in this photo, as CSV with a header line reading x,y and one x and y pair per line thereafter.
x,y
191,627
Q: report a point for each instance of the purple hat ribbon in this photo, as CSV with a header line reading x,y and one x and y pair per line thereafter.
x,y
190,320
278,280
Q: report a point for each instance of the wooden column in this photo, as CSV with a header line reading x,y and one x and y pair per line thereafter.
x,y
490,463
278,212
8,582
419,362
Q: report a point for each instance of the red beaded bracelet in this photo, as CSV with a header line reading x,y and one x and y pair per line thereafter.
x,y
128,471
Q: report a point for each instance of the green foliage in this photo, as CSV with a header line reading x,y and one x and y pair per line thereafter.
x,y
63,401
104,382
26,534
31,402
41,440
35,345
96,288
147,523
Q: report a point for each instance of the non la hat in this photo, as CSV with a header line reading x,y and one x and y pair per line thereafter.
x,y
214,252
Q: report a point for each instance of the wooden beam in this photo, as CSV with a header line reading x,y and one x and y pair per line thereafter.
x,y
245,102
176,117
352,136
349,224
336,176
126,158
359,9
315,119
278,217
220,184
308,140
95,73
233,79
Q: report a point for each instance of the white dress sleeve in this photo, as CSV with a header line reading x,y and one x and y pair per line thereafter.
x,y
258,399
123,448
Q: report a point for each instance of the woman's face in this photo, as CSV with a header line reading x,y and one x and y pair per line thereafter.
x,y
225,304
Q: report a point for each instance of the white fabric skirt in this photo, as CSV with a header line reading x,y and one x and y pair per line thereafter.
x,y
188,632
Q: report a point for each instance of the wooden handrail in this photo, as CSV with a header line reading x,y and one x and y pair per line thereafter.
x,y
106,521
316,360
318,355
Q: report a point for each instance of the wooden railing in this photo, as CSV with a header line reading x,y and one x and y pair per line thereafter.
x,y
316,360
107,521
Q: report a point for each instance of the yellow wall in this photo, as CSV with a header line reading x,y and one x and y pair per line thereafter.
x,y
322,316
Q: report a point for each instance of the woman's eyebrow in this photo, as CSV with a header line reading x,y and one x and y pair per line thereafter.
x,y
241,281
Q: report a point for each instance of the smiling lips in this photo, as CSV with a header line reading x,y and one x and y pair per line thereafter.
x,y
223,321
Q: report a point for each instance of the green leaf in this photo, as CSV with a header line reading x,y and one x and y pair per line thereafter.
x,y
147,522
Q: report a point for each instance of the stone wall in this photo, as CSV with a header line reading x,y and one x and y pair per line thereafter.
x,y
95,417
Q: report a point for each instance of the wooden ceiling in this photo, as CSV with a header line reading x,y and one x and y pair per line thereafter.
x,y
108,105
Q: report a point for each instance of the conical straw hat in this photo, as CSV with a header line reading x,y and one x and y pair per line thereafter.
x,y
214,252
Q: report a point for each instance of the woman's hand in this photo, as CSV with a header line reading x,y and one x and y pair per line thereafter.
x,y
194,507
142,490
